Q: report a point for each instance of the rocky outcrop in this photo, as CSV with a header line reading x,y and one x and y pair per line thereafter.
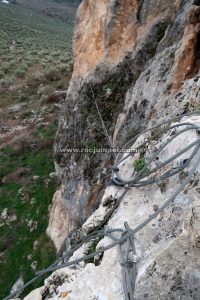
x,y
18,284
139,60
105,31
133,54
188,61
167,248
58,223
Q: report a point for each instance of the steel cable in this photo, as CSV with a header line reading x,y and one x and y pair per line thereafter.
x,y
127,235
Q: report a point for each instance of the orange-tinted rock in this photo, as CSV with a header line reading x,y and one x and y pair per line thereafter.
x,y
105,30
121,31
58,221
92,201
188,56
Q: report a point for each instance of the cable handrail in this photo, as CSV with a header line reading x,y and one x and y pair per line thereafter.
x,y
129,265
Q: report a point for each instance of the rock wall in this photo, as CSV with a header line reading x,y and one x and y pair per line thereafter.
x,y
115,42
140,61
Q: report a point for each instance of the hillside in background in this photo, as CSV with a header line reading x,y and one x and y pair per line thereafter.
x,y
63,9
35,61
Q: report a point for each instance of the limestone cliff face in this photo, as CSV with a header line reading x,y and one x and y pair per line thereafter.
x,y
140,59
135,55
105,31
108,29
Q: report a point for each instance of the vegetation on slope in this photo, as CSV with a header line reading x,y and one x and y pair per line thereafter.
x,y
62,9
35,60
35,50
27,198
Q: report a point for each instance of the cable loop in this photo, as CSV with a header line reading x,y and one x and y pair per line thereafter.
x,y
125,242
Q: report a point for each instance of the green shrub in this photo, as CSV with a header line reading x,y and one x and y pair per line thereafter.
x,y
24,67
3,82
2,74
6,82
53,74
90,148
92,249
139,164
20,73
6,67
35,60
43,99
30,62
61,84
18,59
34,52
9,58
44,64
38,76
25,115
12,63
22,98
21,51
63,59
55,54
63,67
49,59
